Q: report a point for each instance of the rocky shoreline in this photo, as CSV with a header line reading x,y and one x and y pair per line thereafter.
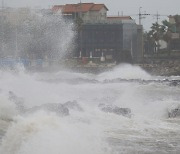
x,y
163,67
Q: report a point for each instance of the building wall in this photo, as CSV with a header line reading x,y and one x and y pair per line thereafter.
x,y
103,14
174,43
96,15
89,16
130,38
138,55
119,41
101,38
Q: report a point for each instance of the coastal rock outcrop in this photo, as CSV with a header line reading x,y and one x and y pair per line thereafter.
x,y
126,112
174,111
73,105
58,108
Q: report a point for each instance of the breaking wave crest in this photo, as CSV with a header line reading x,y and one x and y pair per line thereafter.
x,y
43,134
125,71
107,112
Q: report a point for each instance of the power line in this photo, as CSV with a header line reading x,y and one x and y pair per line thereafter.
x,y
157,15
141,15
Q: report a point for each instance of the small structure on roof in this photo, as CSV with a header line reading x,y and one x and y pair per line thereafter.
x,y
87,11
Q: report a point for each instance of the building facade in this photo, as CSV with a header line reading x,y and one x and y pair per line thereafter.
x,y
175,32
116,38
116,41
85,11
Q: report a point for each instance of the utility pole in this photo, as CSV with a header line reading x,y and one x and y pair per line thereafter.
x,y
157,17
141,15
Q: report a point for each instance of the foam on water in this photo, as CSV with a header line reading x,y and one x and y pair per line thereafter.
x,y
89,131
7,109
125,71
43,133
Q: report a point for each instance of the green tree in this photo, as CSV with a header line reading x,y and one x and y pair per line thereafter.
x,y
156,33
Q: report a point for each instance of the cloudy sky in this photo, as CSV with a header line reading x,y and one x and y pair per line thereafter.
x,y
126,7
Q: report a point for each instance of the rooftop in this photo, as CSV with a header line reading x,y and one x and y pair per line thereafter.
x,y
80,7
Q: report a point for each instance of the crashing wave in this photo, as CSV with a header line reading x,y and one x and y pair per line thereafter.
x,y
60,109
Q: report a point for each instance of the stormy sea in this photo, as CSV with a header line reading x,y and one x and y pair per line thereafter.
x,y
121,111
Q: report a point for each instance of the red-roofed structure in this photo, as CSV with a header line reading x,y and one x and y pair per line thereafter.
x,y
80,7
114,38
98,7
87,11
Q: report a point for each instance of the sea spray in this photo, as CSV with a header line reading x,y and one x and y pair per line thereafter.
x,y
45,133
37,40
148,129
125,71
7,109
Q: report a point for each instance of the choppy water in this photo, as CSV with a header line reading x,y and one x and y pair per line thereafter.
x,y
90,131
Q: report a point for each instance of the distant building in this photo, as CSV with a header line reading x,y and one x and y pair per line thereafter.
x,y
86,11
175,32
116,41
115,37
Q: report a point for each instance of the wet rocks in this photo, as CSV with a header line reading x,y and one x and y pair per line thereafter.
x,y
58,108
73,105
18,101
164,67
115,109
174,83
50,107
174,111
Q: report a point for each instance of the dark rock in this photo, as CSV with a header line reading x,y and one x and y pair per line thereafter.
x,y
73,105
173,83
18,101
115,109
174,112
58,108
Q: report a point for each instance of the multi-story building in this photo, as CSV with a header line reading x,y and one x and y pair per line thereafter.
x,y
116,37
113,40
86,11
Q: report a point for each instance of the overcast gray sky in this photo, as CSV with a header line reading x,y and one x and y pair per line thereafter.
x,y
128,7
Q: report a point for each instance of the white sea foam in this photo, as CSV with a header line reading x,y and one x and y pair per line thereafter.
x,y
43,134
125,71
7,109
90,130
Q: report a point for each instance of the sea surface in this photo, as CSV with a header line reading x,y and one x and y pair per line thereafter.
x,y
88,129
